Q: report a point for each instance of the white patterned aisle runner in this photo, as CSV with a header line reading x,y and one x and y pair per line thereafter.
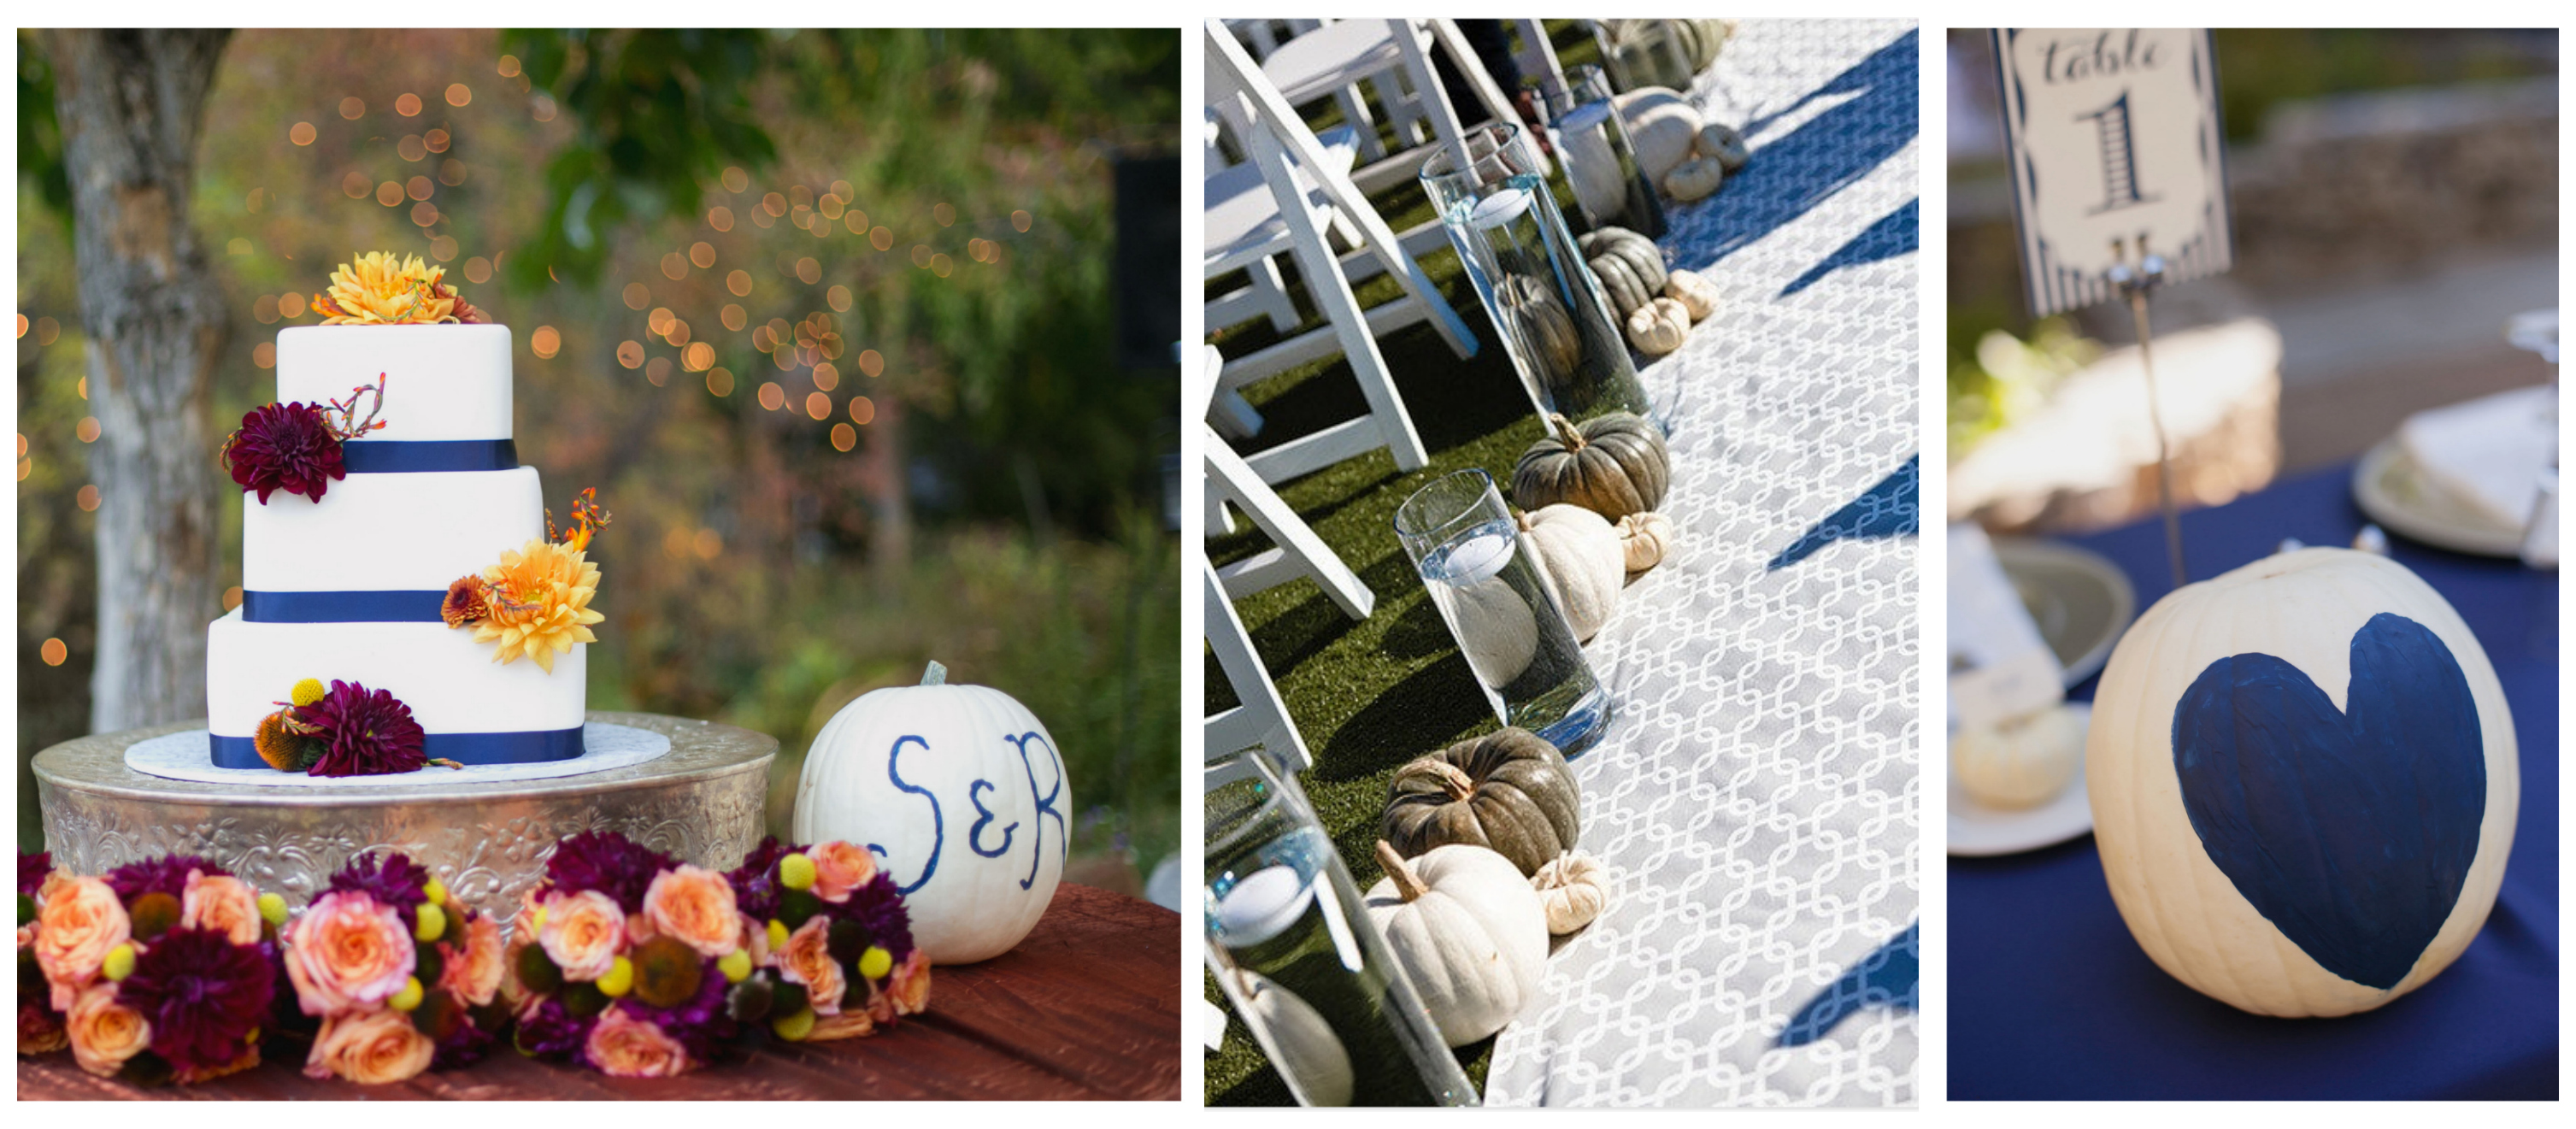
x,y
1755,799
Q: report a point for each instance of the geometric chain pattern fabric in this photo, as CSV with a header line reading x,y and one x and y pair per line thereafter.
x,y
1755,797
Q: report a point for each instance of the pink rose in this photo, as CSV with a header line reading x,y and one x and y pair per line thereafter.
x,y
694,906
80,922
583,933
475,974
623,1046
348,953
369,1048
103,1032
222,903
840,868
807,960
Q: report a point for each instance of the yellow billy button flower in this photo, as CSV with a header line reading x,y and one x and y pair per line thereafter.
x,y
735,965
119,963
777,934
619,979
796,872
794,1028
306,692
436,892
272,909
409,997
875,963
433,921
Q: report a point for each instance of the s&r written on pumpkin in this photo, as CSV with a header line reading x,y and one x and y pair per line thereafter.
x,y
1039,762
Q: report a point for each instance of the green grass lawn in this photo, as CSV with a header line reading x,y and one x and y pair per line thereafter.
x,y
1371,695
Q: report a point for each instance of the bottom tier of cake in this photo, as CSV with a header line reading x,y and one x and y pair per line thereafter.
x,y
449,680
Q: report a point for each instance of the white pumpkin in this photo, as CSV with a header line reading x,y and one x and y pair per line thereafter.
x,y
1500,632
2303,781
1468,931
1723,144
1580,557
1694,291
1662,128
1573,889
1645,540
1659,327
2021,764
960,793
1694,179
1298,1040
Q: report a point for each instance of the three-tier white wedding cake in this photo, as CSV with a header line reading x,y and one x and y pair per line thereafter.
x,y
350,586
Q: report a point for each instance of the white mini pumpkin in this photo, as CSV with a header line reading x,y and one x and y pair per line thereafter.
x,y
1659,327
1468,931
1573,889
1723,144
1694,179
960,793
2303,781
1581,558
1694,291
2021,764
1646,539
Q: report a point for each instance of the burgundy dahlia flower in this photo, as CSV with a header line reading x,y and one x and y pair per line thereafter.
x,y
609,863
286,447
202,994
370,732
879,907
32,870
392,880
755,882
164,874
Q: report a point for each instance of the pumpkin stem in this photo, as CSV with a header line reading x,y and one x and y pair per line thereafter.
x,y
1456,782
937,675
1408,885
1566,432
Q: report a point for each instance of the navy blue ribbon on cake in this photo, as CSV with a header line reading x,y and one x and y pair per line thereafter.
x,y
528,747
424,456
406,606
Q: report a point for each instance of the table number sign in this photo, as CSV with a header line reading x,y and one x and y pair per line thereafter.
x,y
2116,154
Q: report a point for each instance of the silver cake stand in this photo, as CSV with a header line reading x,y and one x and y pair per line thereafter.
x,y
703,802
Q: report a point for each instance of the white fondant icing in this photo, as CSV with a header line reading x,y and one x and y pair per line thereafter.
x,y
449,680
373,532
441,381
184,756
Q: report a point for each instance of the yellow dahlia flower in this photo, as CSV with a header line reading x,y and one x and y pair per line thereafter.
x,y
374,289
540,604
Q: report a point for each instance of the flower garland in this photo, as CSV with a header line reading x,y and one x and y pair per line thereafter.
x,y
295,446
402,976
536,602
839,942
163,970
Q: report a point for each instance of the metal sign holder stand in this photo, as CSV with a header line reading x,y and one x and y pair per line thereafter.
x,y
2135,281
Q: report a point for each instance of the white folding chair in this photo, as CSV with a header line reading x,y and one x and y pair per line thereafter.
x,y
1289,159
1262,720
1334,57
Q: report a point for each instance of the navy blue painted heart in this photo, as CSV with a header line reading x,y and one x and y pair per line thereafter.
x,y
2351,831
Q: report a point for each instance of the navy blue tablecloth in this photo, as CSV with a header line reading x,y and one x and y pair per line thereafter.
x,y
2051,998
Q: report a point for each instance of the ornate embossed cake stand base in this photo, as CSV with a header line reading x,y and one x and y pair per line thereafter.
x,y
703,802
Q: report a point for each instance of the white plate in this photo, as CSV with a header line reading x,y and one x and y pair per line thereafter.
x,y
1976,829
2078,599
2397,496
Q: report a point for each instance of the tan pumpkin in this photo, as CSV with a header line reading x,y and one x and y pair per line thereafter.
x,y
1659,327
1508,791
1723,144
1645,540
1694,291
1613,465
1694,179
2021,764
1573,889
1581,560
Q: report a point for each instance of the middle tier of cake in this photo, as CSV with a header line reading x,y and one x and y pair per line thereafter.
x,y
389,532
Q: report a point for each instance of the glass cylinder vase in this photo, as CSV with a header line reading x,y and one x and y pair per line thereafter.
x,y
1600,162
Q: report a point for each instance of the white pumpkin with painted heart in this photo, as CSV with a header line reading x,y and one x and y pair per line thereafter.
x,y
2303,781
961,794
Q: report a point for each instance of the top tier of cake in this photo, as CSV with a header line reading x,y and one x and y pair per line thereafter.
x,y
449,382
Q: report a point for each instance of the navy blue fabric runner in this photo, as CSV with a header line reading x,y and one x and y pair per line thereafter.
x,y
342,607
405,456
530,747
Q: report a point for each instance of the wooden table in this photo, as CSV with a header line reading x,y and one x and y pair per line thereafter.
x,y
1089,1006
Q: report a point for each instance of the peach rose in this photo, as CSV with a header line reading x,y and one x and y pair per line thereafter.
x,y
807,960
847,1025
103,1032
222,903
583,933
623,1046
347,953
906,990
81,921
475,973
694,905
755,940
523,924
840,868
369,1048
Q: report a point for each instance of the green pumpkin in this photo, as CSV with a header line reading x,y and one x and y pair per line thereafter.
x,y
1509,792
1546,325
1629,265
1614,465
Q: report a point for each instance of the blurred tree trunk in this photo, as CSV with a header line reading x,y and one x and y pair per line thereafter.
x,y
132,104
890,539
